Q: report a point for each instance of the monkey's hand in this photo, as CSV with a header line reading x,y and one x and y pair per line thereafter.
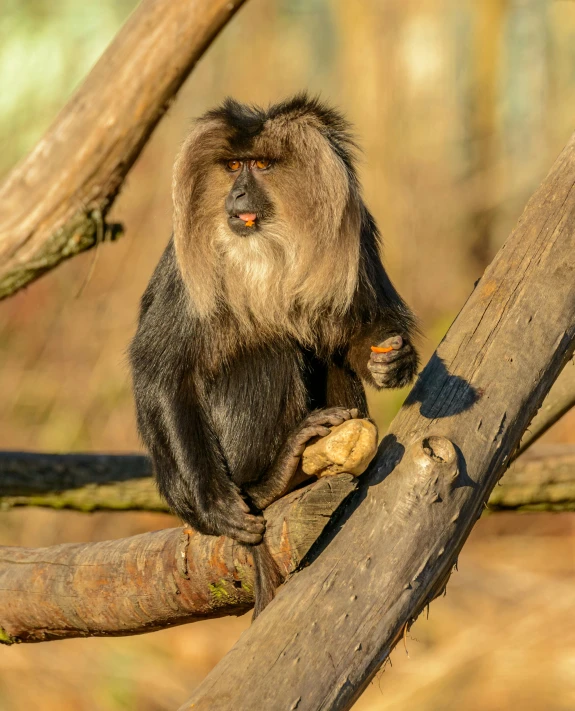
x,y
276,482
230,516
396,367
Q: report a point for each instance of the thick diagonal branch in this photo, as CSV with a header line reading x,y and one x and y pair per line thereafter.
x,y
53,205
154,580
331,627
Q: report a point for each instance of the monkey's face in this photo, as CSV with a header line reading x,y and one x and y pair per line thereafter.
x,y
248,204
267,214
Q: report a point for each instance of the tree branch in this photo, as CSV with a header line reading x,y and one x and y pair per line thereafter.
x,y
331,627
154,580
54,204
560,399
542,479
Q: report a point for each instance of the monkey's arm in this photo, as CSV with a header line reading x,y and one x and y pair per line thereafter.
x,y
382,320
190,468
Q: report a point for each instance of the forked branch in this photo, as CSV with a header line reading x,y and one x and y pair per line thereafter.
x,y
331,627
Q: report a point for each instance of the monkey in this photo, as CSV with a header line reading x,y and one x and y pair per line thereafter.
x,y
255,331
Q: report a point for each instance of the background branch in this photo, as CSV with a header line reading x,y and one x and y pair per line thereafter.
x,y
542,479
54,204
560,399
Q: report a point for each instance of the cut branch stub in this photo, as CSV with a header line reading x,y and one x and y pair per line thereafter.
x,y
350,448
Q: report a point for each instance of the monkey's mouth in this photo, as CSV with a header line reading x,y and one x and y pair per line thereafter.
x,y
243,223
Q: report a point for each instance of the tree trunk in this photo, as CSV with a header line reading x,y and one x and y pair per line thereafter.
x,y
322,639
53,205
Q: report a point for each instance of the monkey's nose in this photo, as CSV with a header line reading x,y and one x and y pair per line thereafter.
x,y
238,201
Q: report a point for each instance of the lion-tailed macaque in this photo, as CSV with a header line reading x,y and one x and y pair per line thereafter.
x,y
256,330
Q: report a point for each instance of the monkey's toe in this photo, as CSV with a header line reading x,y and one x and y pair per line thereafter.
x,y
331,416
250,529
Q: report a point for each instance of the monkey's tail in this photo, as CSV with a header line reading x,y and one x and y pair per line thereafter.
x,y
267,577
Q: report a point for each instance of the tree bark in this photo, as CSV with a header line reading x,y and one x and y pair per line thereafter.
x,y
54,204
322,639
154,580
542,479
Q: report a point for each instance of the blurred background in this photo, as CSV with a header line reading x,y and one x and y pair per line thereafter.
x,y
460,107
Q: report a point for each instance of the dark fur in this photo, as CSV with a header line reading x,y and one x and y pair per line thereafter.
x,y
216,408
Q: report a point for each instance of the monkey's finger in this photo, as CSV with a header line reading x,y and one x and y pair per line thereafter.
x,y
254,524
245,520
314,431
395,342
379,368
243,536
331,416
333,420
241,504
304,437
387,358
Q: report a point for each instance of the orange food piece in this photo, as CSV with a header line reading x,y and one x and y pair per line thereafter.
x,y
250,223
375,349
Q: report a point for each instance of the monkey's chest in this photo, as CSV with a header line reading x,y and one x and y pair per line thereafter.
x,y
254,403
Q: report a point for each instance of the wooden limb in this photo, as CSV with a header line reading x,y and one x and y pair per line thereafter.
x,y
153,580
542,479
85,482
560,400
333,624
54,204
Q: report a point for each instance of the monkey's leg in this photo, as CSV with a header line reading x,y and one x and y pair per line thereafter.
x,y
396,367
278,480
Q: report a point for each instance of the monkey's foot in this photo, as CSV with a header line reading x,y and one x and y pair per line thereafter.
x,y
394,363
349,447
282,476
231,516
317,424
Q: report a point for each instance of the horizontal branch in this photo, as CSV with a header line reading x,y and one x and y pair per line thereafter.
x,y
154,580
53,205
542,479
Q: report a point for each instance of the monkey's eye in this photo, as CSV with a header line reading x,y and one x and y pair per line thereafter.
x,y
234,165
262,163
